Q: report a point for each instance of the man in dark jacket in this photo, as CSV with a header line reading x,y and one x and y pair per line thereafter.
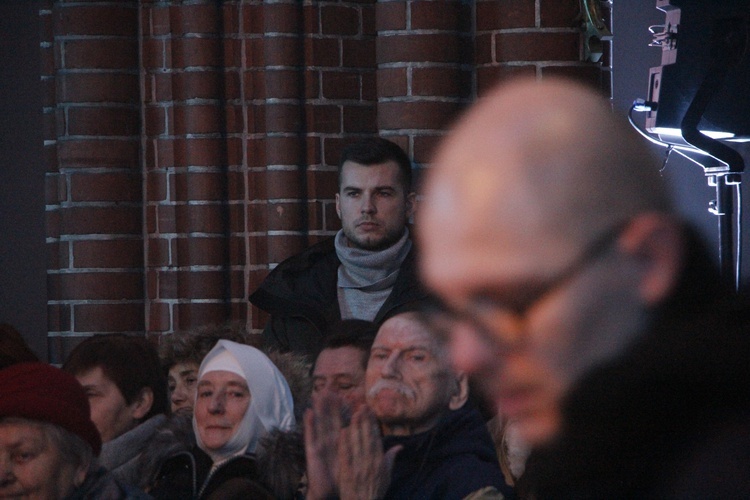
x,y
435,444
366,271
584,308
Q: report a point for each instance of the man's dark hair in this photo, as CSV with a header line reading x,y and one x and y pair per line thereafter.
x,y
376,150
132,363
356,333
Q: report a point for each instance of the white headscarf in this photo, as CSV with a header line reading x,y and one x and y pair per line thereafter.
x,y
271,403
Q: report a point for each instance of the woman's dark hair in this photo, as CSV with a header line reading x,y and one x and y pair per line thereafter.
x,y
131,362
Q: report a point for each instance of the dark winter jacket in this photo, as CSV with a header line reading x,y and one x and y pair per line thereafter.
x,y
670,418
301,296
100,484
450,461
175,436
121,455
188,475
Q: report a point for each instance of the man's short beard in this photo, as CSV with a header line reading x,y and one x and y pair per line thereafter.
x,y
388,240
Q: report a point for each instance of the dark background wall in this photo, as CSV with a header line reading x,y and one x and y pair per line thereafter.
x,y
23,287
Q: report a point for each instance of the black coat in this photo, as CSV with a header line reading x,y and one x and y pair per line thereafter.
x,y
670,418
302,297
455,458
187,476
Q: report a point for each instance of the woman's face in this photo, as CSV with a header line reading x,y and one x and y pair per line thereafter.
x,y
31,464
222,400
182,379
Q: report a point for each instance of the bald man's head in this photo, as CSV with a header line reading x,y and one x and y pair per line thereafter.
x,y
544,156
544,222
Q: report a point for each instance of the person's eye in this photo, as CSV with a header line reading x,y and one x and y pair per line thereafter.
x,y
378,356
345,387
191,381
171,387
205,393
23,457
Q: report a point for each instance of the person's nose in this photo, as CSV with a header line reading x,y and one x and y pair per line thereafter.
x,y
390,367
327,391
217,403
179,395
6,470
368,204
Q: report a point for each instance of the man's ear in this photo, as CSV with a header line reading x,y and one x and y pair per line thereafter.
x,y
461,392
411,204
143,403
338,206
657,241
79,477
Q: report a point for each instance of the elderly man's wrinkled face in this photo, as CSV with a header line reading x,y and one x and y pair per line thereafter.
x,y
222,400
340,371
409,381
31,466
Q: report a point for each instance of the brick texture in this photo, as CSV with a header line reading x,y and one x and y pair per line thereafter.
x,y
191,146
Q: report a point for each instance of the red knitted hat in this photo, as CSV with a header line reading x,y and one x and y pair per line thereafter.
x,y
39,391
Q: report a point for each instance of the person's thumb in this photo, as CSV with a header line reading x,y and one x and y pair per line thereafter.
x,y
390,457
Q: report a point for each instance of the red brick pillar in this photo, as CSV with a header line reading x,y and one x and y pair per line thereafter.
x,y
424,69
94,231
309,83
193,157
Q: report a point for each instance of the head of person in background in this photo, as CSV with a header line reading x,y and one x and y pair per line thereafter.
x,y
48,442
409,381
13,349
123,380
181,354
375,198
339,368
241,396
551,256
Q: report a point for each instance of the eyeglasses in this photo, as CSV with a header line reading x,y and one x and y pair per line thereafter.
x,y
484,311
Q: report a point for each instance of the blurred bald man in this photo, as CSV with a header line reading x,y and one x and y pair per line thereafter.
x,y
580,303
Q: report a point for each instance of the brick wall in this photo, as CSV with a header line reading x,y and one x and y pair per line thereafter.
x,y
192,145
94,196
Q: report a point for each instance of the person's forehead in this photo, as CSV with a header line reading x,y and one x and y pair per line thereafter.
x,y
222,377
183,368
15,432
380,174
404,331
345,359
95,376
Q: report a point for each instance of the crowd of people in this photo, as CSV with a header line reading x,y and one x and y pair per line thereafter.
x,y
549,327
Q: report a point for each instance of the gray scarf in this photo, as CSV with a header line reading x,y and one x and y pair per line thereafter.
x,y
366,277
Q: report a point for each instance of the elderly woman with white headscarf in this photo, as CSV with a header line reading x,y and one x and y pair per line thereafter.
x,y
241,396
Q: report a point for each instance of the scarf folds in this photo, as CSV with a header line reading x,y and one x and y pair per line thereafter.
x,y
366,277
370,270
